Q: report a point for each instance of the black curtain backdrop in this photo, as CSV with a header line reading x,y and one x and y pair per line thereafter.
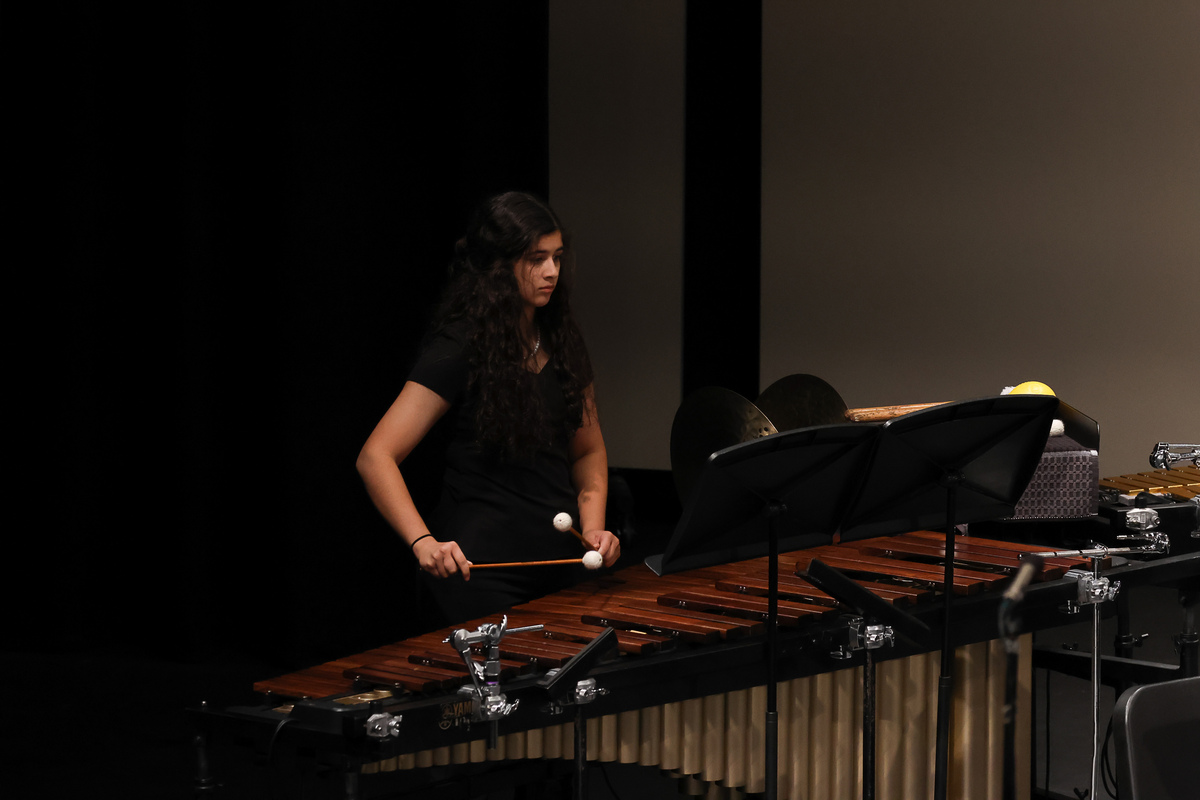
x,y
254,212
249,215
722,249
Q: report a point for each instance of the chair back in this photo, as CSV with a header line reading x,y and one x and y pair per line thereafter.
x,y
1157,732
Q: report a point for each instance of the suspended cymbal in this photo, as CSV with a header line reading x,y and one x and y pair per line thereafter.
x,y
801,401
709,420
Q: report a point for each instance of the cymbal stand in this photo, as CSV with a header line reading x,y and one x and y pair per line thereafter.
x,y
859,634
584,692
488,703
873,624
1094,589
566,687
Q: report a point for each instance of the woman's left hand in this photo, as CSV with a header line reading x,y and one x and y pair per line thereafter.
x,y
605,543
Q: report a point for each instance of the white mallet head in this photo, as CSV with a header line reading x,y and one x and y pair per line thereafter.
x,y
593,560
562,522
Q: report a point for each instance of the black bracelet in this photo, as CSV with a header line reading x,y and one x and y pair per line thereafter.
x,y
419,538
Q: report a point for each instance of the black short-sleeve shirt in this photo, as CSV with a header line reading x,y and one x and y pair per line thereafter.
x,y
497,510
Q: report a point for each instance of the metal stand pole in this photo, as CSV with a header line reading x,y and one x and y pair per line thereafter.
x,y
204,785
863,633
946,679
1010,630
1094,590
350,782
869,727
581,789
1188,641
1097,742
771,724
1011,658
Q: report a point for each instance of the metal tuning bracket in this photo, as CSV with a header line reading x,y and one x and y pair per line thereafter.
x,y
1142,519
1091,588
488,703
1166,455
584,691
383,725
568,686
1145,522
858,635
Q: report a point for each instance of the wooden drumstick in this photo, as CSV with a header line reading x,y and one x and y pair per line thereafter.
x,y
591,560
564,523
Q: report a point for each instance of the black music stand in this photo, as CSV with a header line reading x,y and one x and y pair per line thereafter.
x,y
959,462
811,474
951,464
799,482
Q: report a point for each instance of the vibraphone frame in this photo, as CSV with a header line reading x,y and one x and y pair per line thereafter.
x,y
334,732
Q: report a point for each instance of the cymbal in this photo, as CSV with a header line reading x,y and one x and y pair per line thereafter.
x,y
801,401
708,420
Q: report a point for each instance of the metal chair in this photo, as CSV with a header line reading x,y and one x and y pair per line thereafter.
x,y
1157,732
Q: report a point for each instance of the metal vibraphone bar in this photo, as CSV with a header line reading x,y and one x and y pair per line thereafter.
x,y
685,690
1182,482
1171,498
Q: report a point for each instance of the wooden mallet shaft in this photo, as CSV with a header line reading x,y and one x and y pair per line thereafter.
x,y
564,523
552,562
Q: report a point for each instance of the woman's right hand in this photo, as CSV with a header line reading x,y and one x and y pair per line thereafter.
x,y
441,559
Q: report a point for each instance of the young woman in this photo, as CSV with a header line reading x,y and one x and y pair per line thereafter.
x,y
507,367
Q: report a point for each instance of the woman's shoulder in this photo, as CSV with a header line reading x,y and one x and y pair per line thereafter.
x,y
451,336
443,365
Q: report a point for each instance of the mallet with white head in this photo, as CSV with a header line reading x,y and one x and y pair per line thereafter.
x,y
591,559
564,523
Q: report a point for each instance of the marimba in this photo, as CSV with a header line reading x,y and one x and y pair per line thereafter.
x,y
685,690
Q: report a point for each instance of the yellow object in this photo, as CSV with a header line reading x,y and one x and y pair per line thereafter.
x,y
1032,387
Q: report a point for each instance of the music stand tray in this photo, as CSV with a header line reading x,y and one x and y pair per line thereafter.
x,y
812,472
983,451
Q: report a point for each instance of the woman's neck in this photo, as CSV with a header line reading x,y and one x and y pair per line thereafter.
x,y
528,327
531,335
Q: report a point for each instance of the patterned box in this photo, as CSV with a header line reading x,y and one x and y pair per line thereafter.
x,y
1065,484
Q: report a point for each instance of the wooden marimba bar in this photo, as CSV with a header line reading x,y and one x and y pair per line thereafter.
x,y
713,737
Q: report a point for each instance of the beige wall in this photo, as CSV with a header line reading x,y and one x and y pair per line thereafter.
x,y
616,178
959,197
956,197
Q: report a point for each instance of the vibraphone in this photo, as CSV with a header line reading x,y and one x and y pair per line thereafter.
x,y
686,691
1181,482
1173,493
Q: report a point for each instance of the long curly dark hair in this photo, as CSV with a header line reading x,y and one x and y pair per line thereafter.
x,y
483,294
